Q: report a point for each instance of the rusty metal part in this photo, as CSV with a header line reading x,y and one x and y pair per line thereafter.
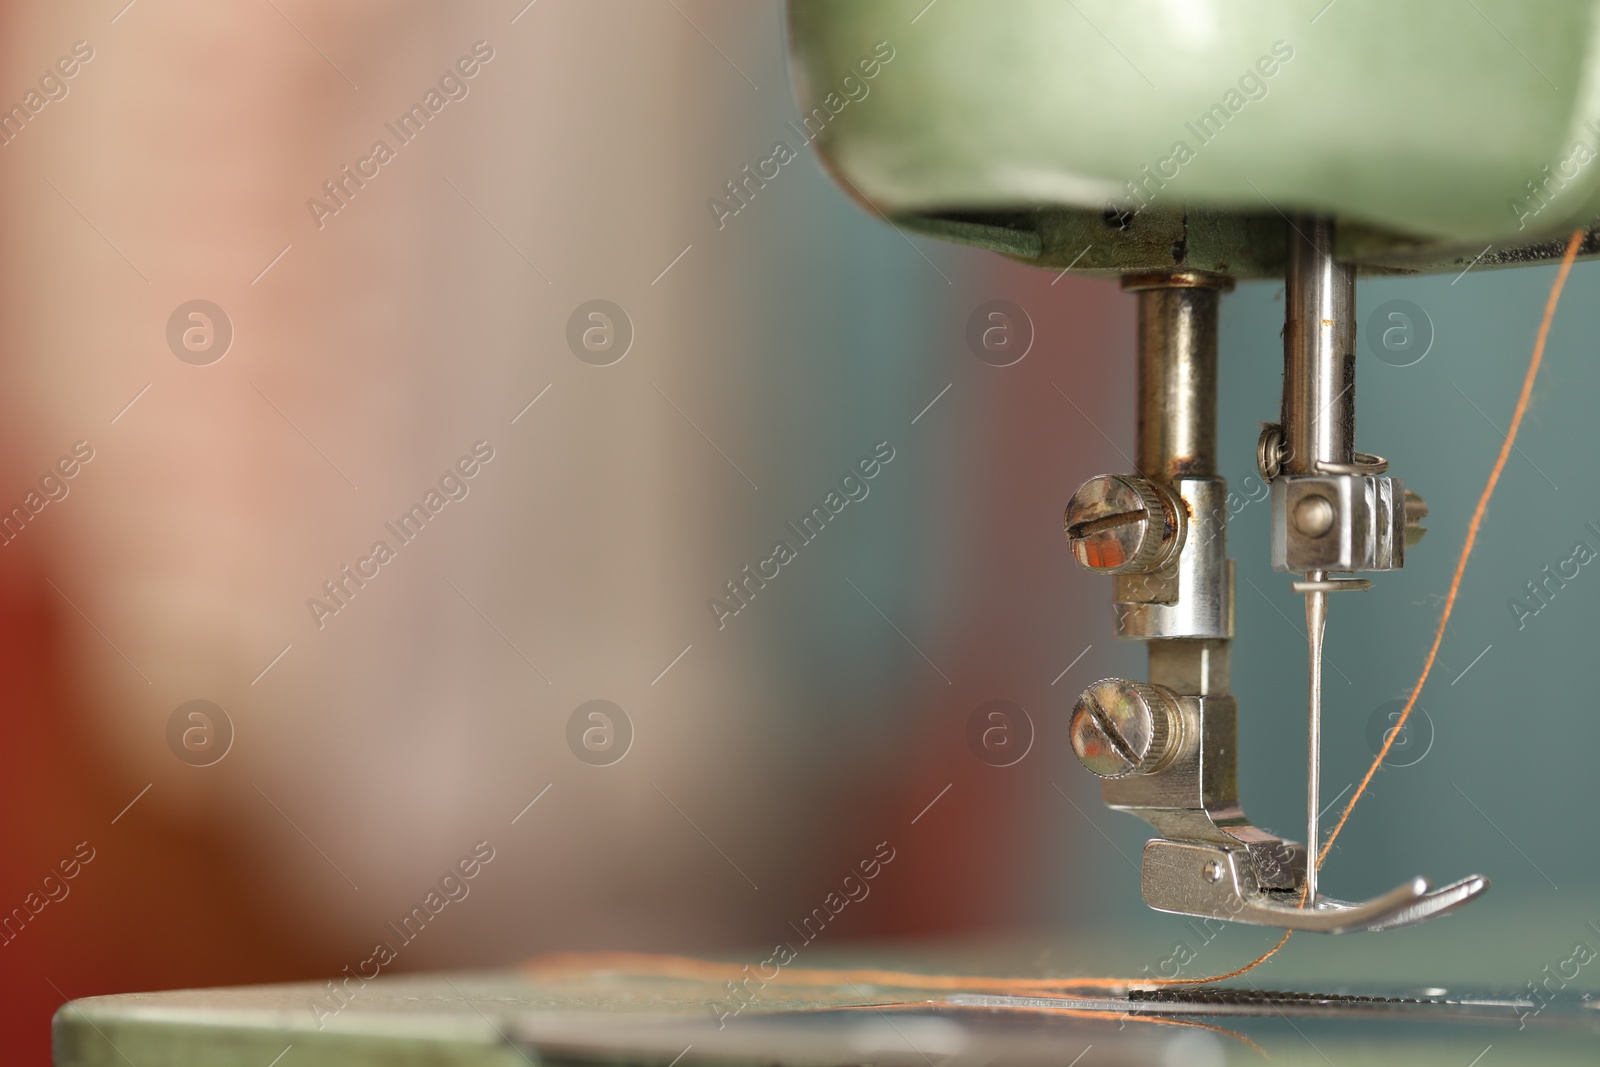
x,y
1177,345
1232,244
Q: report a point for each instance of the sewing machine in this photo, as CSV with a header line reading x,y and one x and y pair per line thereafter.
x,y
1243,141
1181,148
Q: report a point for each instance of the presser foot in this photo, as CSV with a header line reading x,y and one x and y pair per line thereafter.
x,y
1218,882
1170,759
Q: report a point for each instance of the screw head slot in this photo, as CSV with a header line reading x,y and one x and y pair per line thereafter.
x,y
1122,524
1121,728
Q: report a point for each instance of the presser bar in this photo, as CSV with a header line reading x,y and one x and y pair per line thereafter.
x,y
1166,749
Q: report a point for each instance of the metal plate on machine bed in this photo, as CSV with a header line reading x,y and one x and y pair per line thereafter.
x,y
509,1018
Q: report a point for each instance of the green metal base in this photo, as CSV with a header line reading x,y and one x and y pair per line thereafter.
x,y
508,1019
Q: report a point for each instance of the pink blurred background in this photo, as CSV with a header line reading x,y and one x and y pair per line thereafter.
x,y
370,354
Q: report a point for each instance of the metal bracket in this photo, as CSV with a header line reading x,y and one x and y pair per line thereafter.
x,y
1338,522
1212,863
1211,881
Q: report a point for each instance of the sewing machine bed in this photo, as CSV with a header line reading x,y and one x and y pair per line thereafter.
x,y
509,1018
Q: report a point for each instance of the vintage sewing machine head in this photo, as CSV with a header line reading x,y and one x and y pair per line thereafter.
x,y
1184,147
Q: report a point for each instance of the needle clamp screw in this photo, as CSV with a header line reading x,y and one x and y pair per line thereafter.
x,y
1122,524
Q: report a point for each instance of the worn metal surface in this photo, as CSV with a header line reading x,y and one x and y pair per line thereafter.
x,y
1249,245
1365,530
1177,345
501,1019
1121,728
1319,350
1192,598
1123,524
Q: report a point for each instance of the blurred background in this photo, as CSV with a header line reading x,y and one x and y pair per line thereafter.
x,y
349,356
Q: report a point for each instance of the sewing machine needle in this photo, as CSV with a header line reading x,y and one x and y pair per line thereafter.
x,y
1316,622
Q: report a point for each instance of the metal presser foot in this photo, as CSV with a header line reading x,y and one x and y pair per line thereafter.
x,y
1167,748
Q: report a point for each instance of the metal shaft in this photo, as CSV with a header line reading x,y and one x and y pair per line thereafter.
x,y
1177,376
1319,353
1177,343
1319,426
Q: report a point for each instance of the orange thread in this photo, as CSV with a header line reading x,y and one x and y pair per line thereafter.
x,y
647,964
1537,358
1252,965
644,964
1472,530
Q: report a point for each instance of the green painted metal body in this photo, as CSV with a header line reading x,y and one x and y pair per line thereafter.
x,y
1040,127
